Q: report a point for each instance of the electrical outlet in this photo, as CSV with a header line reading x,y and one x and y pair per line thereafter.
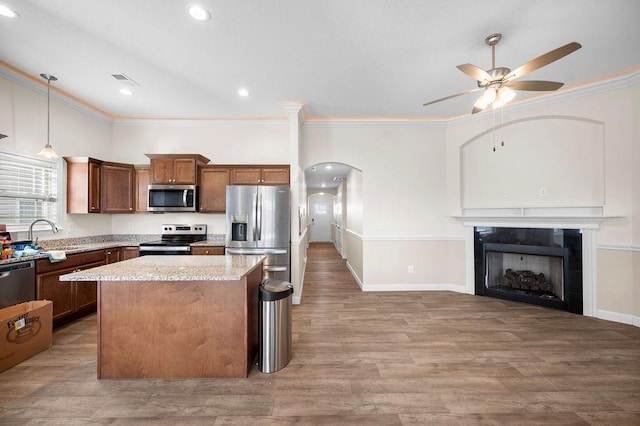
x,y
505,194
410,269
543,192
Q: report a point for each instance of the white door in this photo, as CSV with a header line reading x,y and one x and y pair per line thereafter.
x,y
321,216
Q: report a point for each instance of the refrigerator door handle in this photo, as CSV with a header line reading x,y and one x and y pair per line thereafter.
x,y
255,216
259,215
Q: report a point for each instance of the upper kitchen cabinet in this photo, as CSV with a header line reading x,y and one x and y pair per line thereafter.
x,y
143,174
179,169
260,175
118,188
213,185
83,185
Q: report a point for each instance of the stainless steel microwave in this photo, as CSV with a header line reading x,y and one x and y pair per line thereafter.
x,y
173,198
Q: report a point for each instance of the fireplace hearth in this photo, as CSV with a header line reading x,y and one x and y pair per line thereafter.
x,y
530,265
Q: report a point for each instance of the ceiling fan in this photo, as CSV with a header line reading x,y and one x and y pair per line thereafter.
x,y
498,83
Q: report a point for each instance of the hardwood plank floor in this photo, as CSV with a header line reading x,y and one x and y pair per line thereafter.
x,y
409,358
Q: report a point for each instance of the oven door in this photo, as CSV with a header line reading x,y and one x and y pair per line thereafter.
x,y
164,250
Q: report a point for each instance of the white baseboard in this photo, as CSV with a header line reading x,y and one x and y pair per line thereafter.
x,y
618,317
355,276
415,287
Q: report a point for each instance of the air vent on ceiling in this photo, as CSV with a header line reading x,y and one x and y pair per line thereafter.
x,y
338,178
123,78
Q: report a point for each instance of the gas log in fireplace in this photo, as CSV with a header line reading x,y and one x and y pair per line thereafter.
x,y
538,266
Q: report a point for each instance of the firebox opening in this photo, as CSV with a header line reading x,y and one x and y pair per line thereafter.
x,y
526,270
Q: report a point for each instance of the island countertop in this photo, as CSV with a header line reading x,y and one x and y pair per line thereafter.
x,y
171,268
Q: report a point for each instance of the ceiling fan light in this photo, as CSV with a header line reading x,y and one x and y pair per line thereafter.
x,y
507,94
489,95
480,103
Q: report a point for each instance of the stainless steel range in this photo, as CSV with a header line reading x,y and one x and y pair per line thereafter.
x,y
175,239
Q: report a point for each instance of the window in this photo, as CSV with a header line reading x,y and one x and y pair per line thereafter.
x,y
28,190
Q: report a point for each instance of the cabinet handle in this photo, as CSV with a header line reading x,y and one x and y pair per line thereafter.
x,y
108,253
93,208
206,252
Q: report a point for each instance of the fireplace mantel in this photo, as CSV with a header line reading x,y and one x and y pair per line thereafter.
x,y
535,217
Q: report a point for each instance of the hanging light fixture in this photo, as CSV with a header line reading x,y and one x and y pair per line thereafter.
x,y
48,151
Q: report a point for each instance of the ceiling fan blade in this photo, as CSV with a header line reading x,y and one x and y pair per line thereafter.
x,y
535,85
543,60
476,72
453,96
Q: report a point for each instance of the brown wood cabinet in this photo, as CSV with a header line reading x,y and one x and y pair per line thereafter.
x,y
112,255
213,189
129,253
142,188
260,175
83,185
179,169
207,250
69,298
117,189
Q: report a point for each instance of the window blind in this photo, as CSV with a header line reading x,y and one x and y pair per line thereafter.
x,y
28,190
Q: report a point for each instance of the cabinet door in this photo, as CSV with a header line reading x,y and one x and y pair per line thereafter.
x,y
86,292
142,189
94,187
112,255
130,252
275,176
213,189
161,170
246,176
207,251
184,171
117,188
61,293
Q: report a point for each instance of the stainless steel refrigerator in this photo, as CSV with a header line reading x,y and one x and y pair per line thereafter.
x,y
259,222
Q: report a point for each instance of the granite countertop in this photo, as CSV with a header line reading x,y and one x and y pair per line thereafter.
x,y
171,268
85,244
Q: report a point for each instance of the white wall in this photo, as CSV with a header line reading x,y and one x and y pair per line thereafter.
x,y
73,132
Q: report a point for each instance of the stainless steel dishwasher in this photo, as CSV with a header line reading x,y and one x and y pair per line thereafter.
x,y
17,283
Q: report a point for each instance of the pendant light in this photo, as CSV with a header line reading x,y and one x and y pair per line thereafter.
x,y
48,151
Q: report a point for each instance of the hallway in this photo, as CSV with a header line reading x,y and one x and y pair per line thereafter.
x,y
364,358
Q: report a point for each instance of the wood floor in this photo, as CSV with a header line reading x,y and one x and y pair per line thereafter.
x,y
433,358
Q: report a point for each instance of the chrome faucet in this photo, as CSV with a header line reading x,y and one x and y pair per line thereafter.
x,y
53,228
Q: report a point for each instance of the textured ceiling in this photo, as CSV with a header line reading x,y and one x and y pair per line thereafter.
x,y
341,59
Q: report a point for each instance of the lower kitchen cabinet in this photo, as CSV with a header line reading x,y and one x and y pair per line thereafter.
x,y
129,253
71,299
207,250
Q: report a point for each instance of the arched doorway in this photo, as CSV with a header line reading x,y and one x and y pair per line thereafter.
x,y
326,185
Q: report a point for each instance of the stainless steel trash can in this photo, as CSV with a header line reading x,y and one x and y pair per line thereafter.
x,y
274,351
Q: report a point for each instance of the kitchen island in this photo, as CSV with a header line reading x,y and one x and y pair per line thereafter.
x,y
165,317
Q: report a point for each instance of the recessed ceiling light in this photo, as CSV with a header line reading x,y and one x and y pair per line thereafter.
x,y
328,167
126,91
198,12
243,92
9,13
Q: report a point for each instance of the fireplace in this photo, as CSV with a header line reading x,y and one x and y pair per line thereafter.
x,y
531,265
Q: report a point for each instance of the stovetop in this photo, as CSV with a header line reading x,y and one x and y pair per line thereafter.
x,y
179,235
